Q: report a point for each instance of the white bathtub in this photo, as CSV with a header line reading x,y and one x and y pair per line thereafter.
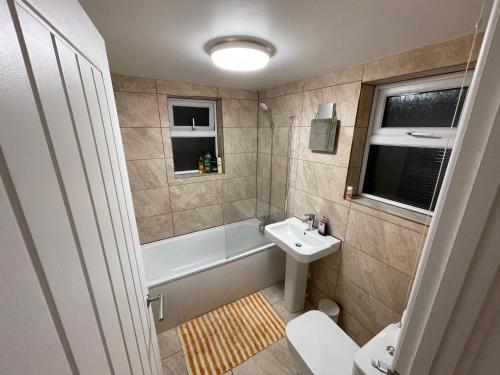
x,y
201,271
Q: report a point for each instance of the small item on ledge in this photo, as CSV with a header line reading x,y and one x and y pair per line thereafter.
x,y
348,192
201,165
219,165
207,161
322,221
214,165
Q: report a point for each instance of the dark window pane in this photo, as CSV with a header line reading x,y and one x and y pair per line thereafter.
x,y
424,109
183,116
187,151
405,174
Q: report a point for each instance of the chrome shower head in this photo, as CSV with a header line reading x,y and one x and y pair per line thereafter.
x,y
264,106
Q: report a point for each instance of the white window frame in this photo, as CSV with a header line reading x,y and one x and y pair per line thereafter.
x,y
193,131
430,137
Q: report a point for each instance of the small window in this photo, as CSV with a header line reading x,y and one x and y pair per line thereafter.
x,y
412,131
193,131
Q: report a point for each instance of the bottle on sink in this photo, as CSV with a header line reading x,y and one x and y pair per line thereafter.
x,y
322,221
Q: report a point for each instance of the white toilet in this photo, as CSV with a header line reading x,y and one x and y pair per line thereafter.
x,y
326,349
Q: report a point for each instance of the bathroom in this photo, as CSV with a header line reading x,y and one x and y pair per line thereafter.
x,y
326,202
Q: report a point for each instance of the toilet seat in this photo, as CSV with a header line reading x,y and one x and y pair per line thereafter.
x,y
321,344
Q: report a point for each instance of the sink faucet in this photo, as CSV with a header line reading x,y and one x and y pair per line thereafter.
x,y
310,221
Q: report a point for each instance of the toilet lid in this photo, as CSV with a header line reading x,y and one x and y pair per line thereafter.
x,y
321,344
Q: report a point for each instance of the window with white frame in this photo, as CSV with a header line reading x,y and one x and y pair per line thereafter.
x,y
193,131
412,131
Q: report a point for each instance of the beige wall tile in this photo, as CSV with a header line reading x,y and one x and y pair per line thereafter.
x,y
358,147
238,140
452,53
322,180
384,282
336,213
142,143
278,196
189,221
288,88
163,110
167,142
234,189
323,277
393,214
133,84
347,98
154,228
341,155
315,296
264,165
150,202
239,113
389,243
366,309
240,165
354,329
229,93
195,195
365,105
279,168
188,89
280,141
264,140
333,260
137,110
285,106
336,77
239,210
144,174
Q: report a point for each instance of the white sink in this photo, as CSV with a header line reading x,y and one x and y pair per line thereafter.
x,y
304,246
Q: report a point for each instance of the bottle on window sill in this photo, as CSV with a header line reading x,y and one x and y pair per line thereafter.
x,y
214,165
201,165
207,160
348,192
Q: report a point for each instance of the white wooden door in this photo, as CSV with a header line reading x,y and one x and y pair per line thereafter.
x,y
71,279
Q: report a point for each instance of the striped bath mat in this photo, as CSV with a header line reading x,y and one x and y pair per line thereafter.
x,y
220,340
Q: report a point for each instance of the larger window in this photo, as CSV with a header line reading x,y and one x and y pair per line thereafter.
x,y
412,131
193,131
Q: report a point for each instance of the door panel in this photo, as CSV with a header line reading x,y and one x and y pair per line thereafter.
x,y
112,193
95,180
127,213
67,204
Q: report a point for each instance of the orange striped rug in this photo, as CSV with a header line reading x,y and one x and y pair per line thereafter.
x,y
220,340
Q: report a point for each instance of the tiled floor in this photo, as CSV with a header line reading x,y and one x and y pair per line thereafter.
x,y
277,359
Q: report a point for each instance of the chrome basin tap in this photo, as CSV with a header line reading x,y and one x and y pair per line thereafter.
x,y
310,221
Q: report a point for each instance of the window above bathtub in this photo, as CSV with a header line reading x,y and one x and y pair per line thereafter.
x,y
411,134
193,131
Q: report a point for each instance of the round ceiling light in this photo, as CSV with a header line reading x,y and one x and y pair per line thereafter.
x,y
240,55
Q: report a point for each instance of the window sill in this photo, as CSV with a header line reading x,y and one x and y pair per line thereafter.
x,y
179,176
390,209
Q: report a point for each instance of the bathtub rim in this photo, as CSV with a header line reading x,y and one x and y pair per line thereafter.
x,y
208,266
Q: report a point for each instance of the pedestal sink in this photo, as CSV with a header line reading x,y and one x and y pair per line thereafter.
x,y
302,247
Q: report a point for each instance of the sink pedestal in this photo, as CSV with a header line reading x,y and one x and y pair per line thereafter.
x,y
295,284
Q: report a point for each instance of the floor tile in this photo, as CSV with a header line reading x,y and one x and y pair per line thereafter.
x,y
168,343
174,365
278,359
274,293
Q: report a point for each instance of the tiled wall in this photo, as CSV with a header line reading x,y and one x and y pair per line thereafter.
x,y
371,276
167,206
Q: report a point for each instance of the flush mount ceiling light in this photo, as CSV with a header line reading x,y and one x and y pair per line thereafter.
x,y
240,54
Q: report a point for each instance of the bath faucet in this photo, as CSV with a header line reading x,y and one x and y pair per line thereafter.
x,y
310,221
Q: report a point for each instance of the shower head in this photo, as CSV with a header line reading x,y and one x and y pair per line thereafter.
x,y
264,106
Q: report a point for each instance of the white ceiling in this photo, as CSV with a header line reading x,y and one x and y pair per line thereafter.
x,y
165,38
